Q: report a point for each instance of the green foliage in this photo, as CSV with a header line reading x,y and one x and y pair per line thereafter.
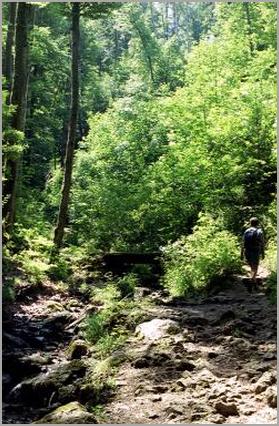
x,y
192,262
177,116
158,160
109,328
127,285
8,292
95,327
270,262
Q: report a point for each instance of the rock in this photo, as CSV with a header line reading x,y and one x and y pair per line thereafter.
x,y
212,355
60,384
14,341
194,319
183,365
153,416
72,413
205,377
159,389
58,320
156,398
153,360
227,316
142,362
54,306
264,382
158,328
269,356
271,397
216,419
217,390
197,416
226,409
183,383
77,349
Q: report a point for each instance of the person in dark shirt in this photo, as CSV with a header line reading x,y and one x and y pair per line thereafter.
x,y
253,246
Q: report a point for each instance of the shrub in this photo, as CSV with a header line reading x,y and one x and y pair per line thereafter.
x,y
127,284
8,293
270,262
95,327
194,261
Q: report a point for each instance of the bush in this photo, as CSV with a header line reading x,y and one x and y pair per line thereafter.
x,y
127,284
8,292
270,262
193,262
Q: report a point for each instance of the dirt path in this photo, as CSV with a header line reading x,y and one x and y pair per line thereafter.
x,y
211,360
218,365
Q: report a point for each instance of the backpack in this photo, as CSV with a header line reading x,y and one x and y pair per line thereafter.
x,y
251,239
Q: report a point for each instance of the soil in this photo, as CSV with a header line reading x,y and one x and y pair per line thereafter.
x,y
205,360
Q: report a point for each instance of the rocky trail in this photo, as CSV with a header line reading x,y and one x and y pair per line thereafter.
x,y
205,360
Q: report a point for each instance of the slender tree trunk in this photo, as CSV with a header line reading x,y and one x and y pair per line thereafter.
x,y
152,17
19,99
145,48
175,18
8,57
66,186
167,20
249,26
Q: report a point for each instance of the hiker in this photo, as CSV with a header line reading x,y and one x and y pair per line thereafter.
x,y
253,246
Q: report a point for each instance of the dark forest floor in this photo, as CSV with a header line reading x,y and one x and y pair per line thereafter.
x,y
207,360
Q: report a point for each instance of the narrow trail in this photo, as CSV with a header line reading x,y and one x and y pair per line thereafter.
x,y
207,360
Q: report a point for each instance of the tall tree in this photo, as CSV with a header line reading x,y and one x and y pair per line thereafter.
x,y
8,57
64,203
18,99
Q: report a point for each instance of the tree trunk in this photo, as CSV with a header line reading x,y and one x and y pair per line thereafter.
x,y
147,53
249,26
167,20
66,186
8,57
19,99
153,25
175,18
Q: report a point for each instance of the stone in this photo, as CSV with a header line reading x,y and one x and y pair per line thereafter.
x,y
58,320
157,328
142,362
153,416
227,316
183,365
159,388
216,419
183,383
54,306
264,382
59,384
77,349
217,391
226,409
271,397
156,398
72,413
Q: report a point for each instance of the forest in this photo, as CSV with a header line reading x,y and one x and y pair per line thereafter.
x,y
138,141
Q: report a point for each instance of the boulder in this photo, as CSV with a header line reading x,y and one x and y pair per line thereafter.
x,y
226,409
77,349
60,384
72,413
264,382
157,328
271,396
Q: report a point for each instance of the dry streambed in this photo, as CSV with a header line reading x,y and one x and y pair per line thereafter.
x,y
211,360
